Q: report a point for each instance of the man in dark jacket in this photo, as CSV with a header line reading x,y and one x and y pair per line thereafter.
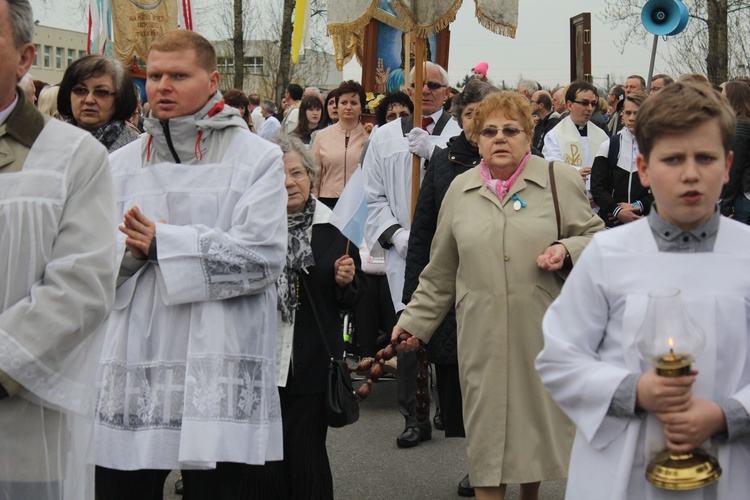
x,y
541,104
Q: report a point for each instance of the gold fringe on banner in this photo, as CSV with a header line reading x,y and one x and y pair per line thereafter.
x,y
345,47
392,21
428,20
355,26
498,22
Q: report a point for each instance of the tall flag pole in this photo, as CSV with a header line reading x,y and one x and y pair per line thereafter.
x,y
301,20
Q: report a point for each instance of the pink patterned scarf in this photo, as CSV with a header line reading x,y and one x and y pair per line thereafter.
x,y
499,186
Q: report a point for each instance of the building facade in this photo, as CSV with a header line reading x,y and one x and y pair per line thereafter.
x,y
55,50
315,69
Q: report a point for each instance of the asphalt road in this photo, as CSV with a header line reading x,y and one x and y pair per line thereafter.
x,y
367,464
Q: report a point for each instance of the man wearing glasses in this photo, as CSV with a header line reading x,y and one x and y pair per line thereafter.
x,y
387,168
575,140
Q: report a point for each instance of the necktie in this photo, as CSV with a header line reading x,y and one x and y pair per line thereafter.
x,y
426,120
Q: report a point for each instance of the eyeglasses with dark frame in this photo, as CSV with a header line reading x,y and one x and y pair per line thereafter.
x,y
79,91
491,132
432,85
586,104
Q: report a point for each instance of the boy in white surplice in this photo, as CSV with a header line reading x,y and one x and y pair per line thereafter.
x,y
187,372
625,414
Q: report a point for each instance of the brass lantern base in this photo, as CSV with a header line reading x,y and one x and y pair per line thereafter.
x,y
683,471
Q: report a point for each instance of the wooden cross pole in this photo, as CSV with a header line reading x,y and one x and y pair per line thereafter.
x,y
419,66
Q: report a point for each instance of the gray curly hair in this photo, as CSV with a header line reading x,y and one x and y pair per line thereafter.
x,y
289,143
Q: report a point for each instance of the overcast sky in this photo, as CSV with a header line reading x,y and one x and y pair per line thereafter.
x,y
540,50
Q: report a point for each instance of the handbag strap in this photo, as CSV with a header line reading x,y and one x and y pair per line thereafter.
x,y
554,197
303,279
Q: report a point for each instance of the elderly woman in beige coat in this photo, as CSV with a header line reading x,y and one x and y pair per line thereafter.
x,y
508,231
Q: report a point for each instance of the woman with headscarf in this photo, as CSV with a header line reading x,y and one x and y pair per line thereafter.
x,y
317,268
96,94
507,232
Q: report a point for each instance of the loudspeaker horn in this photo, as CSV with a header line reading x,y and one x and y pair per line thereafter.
x,y
664,17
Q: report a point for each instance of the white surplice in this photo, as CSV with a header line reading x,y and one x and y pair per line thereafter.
x,y
58,261
187,372
589,334
387,167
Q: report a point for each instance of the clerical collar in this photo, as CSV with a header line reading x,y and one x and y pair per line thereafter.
x,y
670,238
583,130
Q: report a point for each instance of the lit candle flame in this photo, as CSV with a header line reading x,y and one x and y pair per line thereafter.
x,y
671,343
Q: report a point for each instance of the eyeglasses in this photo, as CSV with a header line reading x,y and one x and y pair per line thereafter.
x,y
491,132
432,85
98,93
296,174
586,104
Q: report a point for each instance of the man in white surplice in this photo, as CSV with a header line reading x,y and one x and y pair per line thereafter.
x,y
625,414
58,282
575,140
187,372
387,167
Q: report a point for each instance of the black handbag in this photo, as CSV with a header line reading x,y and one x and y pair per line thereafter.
x,y
342,403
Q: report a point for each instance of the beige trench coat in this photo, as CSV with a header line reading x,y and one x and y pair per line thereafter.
x,y
483,259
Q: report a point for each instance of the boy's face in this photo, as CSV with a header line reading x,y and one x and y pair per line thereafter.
x,y
686,173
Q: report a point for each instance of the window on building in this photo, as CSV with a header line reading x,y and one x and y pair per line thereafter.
x,y
47,56
58,57
225,64
37,53
254,65
71,57
81,53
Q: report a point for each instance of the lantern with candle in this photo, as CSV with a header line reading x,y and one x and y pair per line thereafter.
x,y
670,340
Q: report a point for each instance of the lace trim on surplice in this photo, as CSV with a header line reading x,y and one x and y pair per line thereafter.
x,y
230,270
160,395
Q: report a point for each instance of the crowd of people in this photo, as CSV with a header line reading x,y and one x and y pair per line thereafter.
x,y
175,288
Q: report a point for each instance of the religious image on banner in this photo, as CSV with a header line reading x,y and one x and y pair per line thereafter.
x,y
137,23
391,56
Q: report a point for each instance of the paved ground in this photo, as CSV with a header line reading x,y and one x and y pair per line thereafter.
x,y
367,464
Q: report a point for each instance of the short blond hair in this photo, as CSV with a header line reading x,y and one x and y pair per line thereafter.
x,y
513,105
680,107
180,39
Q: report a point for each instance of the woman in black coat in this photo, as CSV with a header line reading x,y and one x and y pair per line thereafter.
x,y
318,263
460,155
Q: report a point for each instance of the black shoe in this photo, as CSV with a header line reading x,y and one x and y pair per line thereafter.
x,y
412,436
437,421
178,487
465,489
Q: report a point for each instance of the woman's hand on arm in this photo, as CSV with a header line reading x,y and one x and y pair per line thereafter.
x,y
408,345
553,257
343,270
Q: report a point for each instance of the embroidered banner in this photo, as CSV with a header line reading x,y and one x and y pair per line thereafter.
x,y
347,19
137,23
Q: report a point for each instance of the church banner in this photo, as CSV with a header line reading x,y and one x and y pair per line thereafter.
x,y
137,23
